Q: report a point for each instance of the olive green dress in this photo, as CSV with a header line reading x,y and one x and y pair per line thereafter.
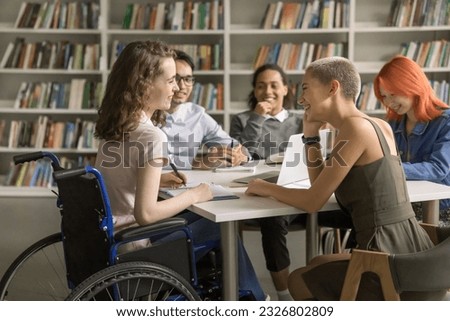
x,y
376,197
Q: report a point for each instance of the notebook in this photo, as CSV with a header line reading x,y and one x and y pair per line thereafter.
x,y
293,169
219,192
271,176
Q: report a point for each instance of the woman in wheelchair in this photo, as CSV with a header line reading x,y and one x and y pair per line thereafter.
x,y
132,150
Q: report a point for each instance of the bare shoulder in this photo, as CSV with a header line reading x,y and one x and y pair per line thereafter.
x,y
385,128
382,123
354,126
357,124
361,129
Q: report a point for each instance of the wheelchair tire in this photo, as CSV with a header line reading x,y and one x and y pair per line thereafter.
x,y
132,281
39,273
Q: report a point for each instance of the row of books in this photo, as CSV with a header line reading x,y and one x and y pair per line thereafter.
x,y
57,14
429,54
296,89
33,174
306,14
367,100
178,15
442,90
208,95
39,173
80,93
205,56
47,133
51,55
290,56
408,13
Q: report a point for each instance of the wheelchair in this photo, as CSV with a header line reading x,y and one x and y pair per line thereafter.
x,y
84,260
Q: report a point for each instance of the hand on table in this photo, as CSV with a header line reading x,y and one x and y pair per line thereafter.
x,y
172,180
201,193
225,156
258,187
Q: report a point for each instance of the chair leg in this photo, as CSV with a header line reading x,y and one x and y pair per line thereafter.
x,y
331,241
337,241
241,229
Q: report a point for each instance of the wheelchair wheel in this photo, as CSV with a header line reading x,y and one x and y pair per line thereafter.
x,y
39,273
133,281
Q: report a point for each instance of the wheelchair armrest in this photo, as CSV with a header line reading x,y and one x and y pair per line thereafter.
x,y
143,232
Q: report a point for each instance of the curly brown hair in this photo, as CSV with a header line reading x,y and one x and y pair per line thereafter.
x,y
127,89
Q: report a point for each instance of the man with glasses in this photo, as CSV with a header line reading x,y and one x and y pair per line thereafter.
x,y
189,128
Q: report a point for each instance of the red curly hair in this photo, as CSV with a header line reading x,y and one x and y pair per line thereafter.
x,y
404,77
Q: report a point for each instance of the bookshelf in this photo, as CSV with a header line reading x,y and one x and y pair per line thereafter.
x,y
365,38
367,41
36,88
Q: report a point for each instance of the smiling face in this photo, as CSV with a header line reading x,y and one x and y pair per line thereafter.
x,y
269,87
183,71
163,87
399,104
314,94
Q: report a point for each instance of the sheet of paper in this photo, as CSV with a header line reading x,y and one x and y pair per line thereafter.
x,y
219,192
299,184
250,169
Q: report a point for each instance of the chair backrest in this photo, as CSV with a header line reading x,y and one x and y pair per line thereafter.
x,y
88,236
423,271
83,209
416,272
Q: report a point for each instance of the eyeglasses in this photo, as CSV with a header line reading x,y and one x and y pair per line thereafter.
x,y
188,80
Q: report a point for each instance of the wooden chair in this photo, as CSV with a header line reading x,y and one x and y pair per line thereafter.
x,y
423,271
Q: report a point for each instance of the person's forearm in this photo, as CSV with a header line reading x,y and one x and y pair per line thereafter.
x,y
166,208
252,131
204,162
251,135
314,160
299,198
425,171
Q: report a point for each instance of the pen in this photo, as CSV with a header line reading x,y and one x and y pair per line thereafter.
x,y
231,145
175,170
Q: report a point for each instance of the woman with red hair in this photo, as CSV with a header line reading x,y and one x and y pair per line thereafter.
x,y
420,121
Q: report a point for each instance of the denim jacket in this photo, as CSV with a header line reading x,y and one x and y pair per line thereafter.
x,y
425,153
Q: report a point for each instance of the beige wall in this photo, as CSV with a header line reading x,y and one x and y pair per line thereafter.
x,y
24,220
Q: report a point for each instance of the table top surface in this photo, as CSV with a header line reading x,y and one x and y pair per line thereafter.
x,y
249,207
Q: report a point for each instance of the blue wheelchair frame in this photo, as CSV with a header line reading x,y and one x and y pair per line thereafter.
x,y
105,224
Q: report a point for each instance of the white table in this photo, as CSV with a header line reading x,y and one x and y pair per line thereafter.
x,y
228,212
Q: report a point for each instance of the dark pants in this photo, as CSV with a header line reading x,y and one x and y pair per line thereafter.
x,y
275,229
204,231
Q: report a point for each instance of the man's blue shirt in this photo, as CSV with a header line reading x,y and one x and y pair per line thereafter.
x,y
188,129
